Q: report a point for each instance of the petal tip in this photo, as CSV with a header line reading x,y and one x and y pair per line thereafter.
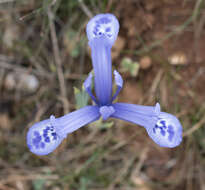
x,y
118,79
103,24
167,132
157,108
88,82
42,138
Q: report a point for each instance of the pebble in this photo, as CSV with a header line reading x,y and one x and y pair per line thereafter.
x,y
145,63
178,58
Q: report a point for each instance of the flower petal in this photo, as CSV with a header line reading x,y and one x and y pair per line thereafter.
x,y
102,64
45,136
74,120
164,129
106,111
103,24
141,115
88,87
42,138
118,82
167,132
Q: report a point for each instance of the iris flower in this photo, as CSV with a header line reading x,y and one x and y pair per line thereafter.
x,y
163,128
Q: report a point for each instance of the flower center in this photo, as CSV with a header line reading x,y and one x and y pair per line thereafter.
x,y
106,111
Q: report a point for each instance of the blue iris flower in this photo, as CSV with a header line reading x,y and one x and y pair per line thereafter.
x,y
163,128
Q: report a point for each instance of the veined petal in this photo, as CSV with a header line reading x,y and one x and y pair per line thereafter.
x,y
141,115
88,87
118,82
101,60
164,129
45,136
167,132
42,137
103,24
74,120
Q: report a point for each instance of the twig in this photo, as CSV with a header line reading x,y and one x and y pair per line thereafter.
x,y
20,69
85,9
13,178
123,172
6,1
195,127
58,62
109,4
43,74
154,86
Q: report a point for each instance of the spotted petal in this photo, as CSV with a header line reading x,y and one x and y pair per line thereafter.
x,y
45,136
163,128
167,132
42,138
103,25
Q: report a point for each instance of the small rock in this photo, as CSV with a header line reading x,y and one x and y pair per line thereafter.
x,y
23,81
145,62
5,122
178,59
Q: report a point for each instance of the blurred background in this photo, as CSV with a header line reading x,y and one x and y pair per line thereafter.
x,y
44,59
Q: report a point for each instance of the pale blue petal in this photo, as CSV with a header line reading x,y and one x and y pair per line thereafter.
x,y
74,120
141,115
164,129
101,60
42,138
45,136
88,87
103,25
118,82
167,132
139,109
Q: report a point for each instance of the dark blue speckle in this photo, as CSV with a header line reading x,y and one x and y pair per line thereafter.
x,y
154,130
36,140
48,128
47,139
54,136
45,131
36,146
42,145
36,133
108,29
104,20
171,132
163,133
163,124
